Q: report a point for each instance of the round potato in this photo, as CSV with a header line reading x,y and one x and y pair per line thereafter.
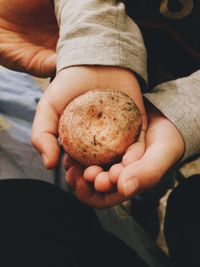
x,y
97,127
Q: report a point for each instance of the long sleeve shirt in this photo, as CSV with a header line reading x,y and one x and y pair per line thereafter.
x,y
123,33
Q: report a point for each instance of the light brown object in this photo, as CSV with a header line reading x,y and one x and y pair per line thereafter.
x,y
97,127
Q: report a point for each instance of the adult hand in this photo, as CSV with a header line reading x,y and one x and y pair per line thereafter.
x,y
68,84
164,147
28,34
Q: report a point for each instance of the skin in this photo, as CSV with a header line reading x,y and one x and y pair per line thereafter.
x,y
25,45
29,34
164,147
68,84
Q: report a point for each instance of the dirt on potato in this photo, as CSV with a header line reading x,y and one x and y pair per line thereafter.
x,y
97,127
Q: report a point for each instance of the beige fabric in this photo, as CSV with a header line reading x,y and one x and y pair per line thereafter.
x,y
99,32
179,101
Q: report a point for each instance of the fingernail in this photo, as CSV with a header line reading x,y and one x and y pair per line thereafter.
x,y
130,187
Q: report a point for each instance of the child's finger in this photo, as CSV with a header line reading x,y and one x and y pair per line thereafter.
x,y
91,173
45,132
102,182
88,195
68,162
114,172
83,191
146,172
135,151
72,174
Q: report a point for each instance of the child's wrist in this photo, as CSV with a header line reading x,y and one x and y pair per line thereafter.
x,y
92,77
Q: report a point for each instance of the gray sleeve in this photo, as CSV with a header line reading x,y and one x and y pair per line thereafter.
x,y
98,32
179,101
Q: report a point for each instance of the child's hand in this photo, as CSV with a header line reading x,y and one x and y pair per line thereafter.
x,y
105,181
164,147
68,84
100,180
